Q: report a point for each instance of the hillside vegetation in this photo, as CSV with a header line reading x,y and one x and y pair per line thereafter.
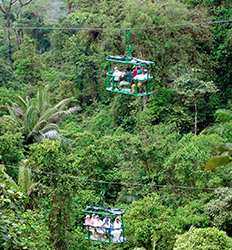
x,y
67,143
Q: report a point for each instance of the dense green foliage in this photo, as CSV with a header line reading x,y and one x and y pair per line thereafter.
x,y
66,143
203,239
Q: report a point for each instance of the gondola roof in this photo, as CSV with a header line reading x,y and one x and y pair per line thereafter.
x,y
128,60
96,209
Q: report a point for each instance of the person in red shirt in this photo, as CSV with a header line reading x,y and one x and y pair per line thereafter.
x,y
135,71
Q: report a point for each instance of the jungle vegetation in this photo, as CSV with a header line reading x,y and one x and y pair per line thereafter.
x,y
66,143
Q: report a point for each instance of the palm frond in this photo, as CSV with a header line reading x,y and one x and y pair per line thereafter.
x,y
23,104
58,107
14,117
7,177
42,99
38,126
225,148
218,161
37,114
30,119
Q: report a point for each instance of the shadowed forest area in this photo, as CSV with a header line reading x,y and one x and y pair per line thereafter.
x,y
87,167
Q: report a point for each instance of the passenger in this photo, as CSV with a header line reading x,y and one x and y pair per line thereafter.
x,y
88,220
133,86
117,74
89,224
117,230
146,73
106,224
140,71
135,71
93,220
128,75
98,225
140,86
142,76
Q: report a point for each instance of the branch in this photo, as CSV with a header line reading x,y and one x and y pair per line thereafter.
x,y
2,9
7,9
12,2
24,4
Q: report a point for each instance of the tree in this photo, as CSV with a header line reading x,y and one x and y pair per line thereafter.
x,y
39,35
223,152
34,116
6,73
171,38
203,239
19,229
185,165
11,151
49,158
147,223
223,157
191,88
7,9
221,51
27,64
219,210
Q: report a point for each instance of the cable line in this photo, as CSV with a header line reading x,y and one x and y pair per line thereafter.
x,y
126,184
190,23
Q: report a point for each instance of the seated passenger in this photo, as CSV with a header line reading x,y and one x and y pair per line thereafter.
x,y
128,75
127,79
140,86
133,87
106,224
117,74
142,75
98,225
117,230
88,220
89,224
135,71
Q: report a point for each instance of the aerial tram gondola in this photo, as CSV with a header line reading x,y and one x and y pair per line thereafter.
x,y
129,75
104,224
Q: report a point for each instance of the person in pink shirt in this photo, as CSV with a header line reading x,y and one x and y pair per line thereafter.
x,y
88,220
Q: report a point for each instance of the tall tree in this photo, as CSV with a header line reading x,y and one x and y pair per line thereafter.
x,y
48,158
192,88
7,9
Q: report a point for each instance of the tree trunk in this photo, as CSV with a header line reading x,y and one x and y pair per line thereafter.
x,y
195,118
70,4
56,223
8,27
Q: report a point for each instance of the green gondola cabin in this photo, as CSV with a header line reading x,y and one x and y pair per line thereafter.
x,y
129,75
104,224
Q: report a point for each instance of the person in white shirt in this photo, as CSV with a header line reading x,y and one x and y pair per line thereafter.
x,y
98,225
117,74
117,230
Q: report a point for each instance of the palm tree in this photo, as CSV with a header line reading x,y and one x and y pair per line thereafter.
x,y
36,116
